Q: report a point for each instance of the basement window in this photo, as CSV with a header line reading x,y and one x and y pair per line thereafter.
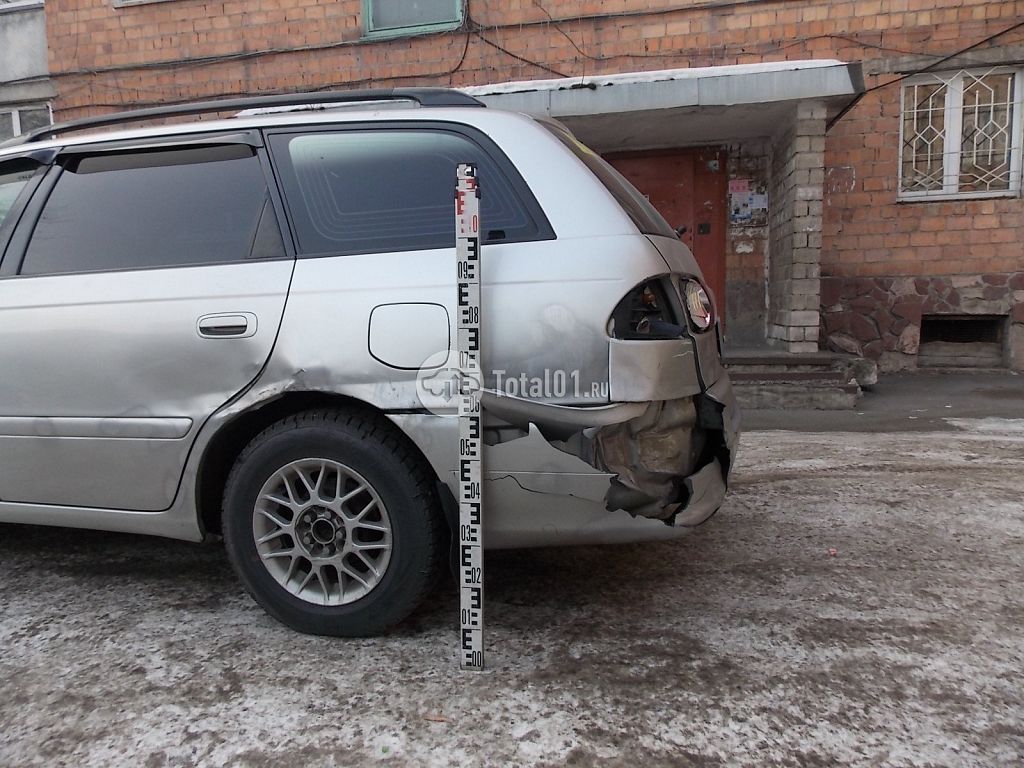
x,y
961,341
396,18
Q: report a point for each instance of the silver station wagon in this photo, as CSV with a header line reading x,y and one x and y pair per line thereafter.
x,y
241,327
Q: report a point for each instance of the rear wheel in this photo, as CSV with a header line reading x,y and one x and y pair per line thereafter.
x,y
333,524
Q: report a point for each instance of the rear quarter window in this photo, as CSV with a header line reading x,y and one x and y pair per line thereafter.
x,y
372,191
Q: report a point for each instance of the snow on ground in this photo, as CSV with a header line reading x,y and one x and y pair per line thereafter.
x,y
746,643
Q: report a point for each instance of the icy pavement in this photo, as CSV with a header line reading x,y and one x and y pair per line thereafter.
x,y
747,643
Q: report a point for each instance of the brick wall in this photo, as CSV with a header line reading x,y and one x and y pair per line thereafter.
x,y
872,234
871,242
106,55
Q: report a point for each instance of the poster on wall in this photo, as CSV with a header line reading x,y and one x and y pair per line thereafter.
x,y
748,203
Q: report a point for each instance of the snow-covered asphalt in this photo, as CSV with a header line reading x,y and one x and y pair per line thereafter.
x,y
858,600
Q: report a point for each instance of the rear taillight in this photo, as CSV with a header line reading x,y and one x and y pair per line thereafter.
x,y
646,312
700,309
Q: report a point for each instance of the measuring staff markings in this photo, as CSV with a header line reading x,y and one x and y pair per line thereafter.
x,y
471,559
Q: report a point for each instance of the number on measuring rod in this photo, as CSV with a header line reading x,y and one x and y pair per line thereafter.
x,y
470,472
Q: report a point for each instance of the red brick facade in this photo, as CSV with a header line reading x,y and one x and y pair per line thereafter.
x,y
104,57
168,51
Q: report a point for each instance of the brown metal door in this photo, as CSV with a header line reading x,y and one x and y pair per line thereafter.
x,y
688,187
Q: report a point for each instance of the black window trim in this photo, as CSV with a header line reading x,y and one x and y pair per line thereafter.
x,y
17,246
251,138
10,224
486,145
26,225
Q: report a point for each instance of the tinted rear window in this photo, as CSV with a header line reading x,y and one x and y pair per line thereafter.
x,y
363,191
639,208
150,209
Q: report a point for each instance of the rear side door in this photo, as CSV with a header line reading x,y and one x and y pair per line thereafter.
x,y
141,289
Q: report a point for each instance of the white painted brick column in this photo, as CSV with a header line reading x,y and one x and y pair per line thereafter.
x,y
795,220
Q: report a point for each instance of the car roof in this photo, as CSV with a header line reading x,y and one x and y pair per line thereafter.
x,y
252,112
243,122
548,167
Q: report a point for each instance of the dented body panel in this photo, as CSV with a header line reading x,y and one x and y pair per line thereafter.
x,y
655,369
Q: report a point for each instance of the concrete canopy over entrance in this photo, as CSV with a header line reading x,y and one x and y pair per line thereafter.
x,y
783,105
674,107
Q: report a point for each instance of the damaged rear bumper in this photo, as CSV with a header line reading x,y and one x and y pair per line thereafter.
x,y
643,471
706,492
649,465
707,486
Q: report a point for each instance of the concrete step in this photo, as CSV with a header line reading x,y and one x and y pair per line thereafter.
x,y
770,379
783,396
776,359
790,376
758,367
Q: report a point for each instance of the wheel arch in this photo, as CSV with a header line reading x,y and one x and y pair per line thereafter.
x,y
231,438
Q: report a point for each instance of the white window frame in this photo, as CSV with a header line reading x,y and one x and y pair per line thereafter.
x,y
371,33
15,113
129,3
951,155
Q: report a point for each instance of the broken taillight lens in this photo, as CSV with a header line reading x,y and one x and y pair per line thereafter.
x,y
645,313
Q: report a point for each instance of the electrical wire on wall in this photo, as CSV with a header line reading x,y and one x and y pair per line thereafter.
x,y
921,70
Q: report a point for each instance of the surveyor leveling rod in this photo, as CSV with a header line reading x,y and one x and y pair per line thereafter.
x,y
467,329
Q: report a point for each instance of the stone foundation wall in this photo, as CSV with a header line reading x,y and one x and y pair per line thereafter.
x,y
880,317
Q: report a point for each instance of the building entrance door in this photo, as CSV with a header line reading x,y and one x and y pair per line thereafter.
x,y
688,187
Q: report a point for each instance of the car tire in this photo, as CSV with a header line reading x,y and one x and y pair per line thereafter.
x,y
333,523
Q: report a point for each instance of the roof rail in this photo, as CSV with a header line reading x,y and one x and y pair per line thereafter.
x,y
425,97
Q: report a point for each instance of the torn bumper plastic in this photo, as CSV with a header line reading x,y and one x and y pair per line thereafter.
x,y
645,471
673,462
720,418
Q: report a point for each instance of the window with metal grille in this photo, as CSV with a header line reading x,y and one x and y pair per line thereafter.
x,y
960,134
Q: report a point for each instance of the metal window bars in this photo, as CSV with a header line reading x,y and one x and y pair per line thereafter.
x,y
960,134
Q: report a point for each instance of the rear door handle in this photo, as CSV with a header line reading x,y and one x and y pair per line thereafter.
x,y
227,325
